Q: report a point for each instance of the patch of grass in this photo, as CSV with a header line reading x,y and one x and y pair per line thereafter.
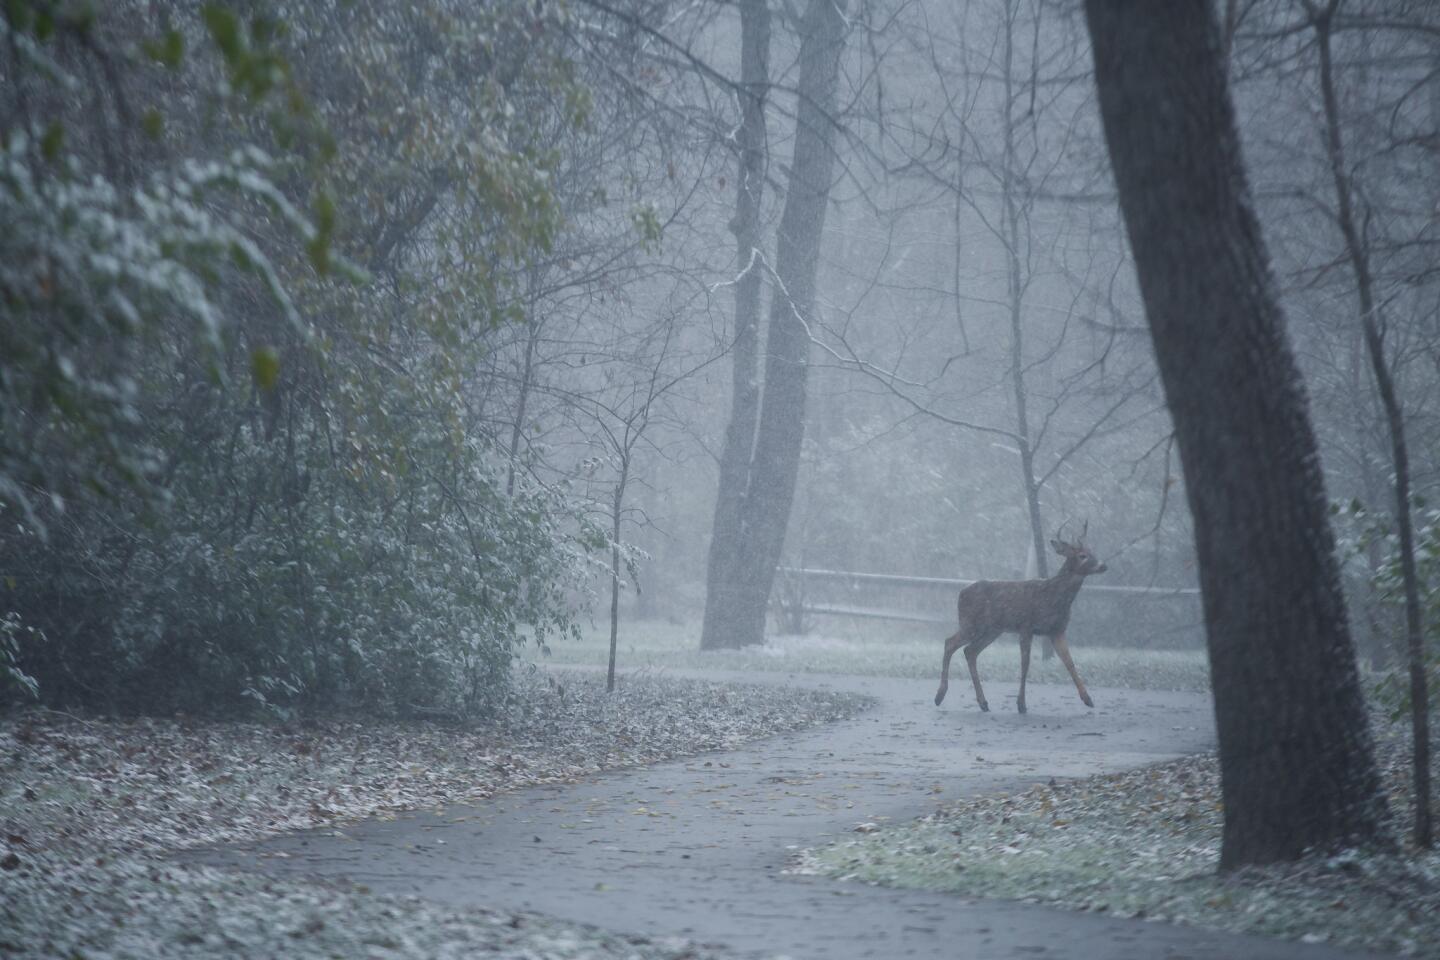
x,y
1146,843
881,650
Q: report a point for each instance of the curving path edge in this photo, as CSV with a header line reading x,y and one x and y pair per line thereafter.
x,y
696,847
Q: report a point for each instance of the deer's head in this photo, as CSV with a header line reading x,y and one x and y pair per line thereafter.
x,y
1078,558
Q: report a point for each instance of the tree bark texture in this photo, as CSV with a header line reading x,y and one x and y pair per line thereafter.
x,y
722,571
739,618
1297,766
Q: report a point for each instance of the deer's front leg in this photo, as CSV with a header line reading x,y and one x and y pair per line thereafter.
x,y
1062,647
972,650
952,643
1025,639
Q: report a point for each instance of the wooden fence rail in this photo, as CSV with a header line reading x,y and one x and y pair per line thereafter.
x,y
1129,615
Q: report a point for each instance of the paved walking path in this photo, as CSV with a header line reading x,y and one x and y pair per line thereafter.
x,y
695,848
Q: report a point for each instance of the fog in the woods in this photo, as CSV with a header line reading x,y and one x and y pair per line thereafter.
x,y
375,358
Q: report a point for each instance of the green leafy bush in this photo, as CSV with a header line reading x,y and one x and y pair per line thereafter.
x,y
245,458
1363,534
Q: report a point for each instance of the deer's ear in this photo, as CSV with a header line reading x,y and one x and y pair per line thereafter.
x,y
1060,548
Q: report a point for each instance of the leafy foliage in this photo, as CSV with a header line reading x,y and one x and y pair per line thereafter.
x,y
103,270
244,452
11,676
1362,532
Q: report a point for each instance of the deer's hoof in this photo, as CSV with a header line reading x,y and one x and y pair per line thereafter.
x,y
939,698
1020,706
985,707
1087,701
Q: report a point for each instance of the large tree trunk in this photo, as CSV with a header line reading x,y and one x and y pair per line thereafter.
x,y
1295,750
737,617
722,587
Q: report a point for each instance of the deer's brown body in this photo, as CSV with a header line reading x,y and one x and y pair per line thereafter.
x,y
989,608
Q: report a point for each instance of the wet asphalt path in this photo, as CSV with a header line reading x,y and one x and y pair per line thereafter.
x,y
696,848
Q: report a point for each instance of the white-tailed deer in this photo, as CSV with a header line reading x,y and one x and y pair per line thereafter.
x,y
989,608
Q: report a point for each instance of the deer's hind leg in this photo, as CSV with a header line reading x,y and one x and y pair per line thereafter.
x,y
952,643
1025,639
972,650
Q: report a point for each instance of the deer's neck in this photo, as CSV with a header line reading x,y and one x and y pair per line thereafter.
x,y
1065,584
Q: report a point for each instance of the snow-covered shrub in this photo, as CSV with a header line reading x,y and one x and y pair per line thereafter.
x,y
235,470
1362,535
14,680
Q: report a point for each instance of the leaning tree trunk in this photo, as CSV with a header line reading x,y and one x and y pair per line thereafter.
x,y
1296,762
726,537
765,509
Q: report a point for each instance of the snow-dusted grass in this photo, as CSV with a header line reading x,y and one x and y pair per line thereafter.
x,y
879,650
88,806
1146,843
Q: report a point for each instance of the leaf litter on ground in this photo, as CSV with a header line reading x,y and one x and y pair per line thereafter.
x,y
89,806
1146,843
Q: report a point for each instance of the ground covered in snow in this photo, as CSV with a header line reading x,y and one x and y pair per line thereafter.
x,y
1146,843
882,650
88,806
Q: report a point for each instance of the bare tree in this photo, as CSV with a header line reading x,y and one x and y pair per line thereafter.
x,y
1322,21
722,584
1003,147
622,421
735,614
